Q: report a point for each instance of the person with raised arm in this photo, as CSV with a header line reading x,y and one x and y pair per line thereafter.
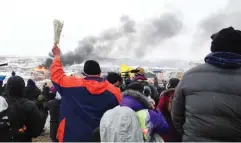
x,y
83,100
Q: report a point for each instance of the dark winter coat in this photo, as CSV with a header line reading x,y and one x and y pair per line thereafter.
x,y
32,118
53,107
206,104
1,86
1,90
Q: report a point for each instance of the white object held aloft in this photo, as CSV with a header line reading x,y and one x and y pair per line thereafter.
x,y
58,26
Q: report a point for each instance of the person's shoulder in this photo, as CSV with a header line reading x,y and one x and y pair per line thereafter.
x,y
198,68
112,87
211,69
167,92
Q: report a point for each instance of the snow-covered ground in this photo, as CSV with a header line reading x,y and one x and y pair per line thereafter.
x,y
47,125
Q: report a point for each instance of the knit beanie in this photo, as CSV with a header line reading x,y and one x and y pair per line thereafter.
x,y
92,67
227,40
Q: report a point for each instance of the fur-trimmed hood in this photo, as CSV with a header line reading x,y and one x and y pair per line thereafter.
x,y
167,91
135,100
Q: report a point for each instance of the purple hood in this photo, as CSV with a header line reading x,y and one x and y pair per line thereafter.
x,y
135,100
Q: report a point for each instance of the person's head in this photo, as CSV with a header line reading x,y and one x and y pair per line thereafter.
x,y
227,40
138,91
31,83
114,78
15,86
92,68
140,75
13,73
172,83
140,70
137,86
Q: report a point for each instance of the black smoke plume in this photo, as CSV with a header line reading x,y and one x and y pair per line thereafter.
x,y
130,39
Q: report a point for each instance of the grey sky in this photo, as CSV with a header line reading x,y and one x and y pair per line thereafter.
x,y
26,25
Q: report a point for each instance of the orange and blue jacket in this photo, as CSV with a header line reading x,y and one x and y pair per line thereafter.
x,y
83,102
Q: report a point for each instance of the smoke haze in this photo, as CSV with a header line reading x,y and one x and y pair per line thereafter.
x,y
130,39
228,16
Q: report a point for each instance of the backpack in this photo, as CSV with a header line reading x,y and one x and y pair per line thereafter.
x,y
12,128
143,117
120,124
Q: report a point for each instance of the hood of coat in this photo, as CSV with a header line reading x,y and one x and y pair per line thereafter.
x,y
15,86
167,91
135,100
31,83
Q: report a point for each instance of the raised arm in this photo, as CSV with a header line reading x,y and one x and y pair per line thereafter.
x,y
58,76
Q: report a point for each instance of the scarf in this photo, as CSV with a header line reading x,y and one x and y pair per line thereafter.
x,y
224,59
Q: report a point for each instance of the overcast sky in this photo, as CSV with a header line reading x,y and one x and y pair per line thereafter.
x,y
26,26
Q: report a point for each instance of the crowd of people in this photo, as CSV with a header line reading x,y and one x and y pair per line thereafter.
x,y
25,110
202,106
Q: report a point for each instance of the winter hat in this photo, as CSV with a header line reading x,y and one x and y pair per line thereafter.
x,y
92,67
140,70
227,40
173,82
15,86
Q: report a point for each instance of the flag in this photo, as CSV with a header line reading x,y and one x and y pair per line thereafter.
x,y
125,68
